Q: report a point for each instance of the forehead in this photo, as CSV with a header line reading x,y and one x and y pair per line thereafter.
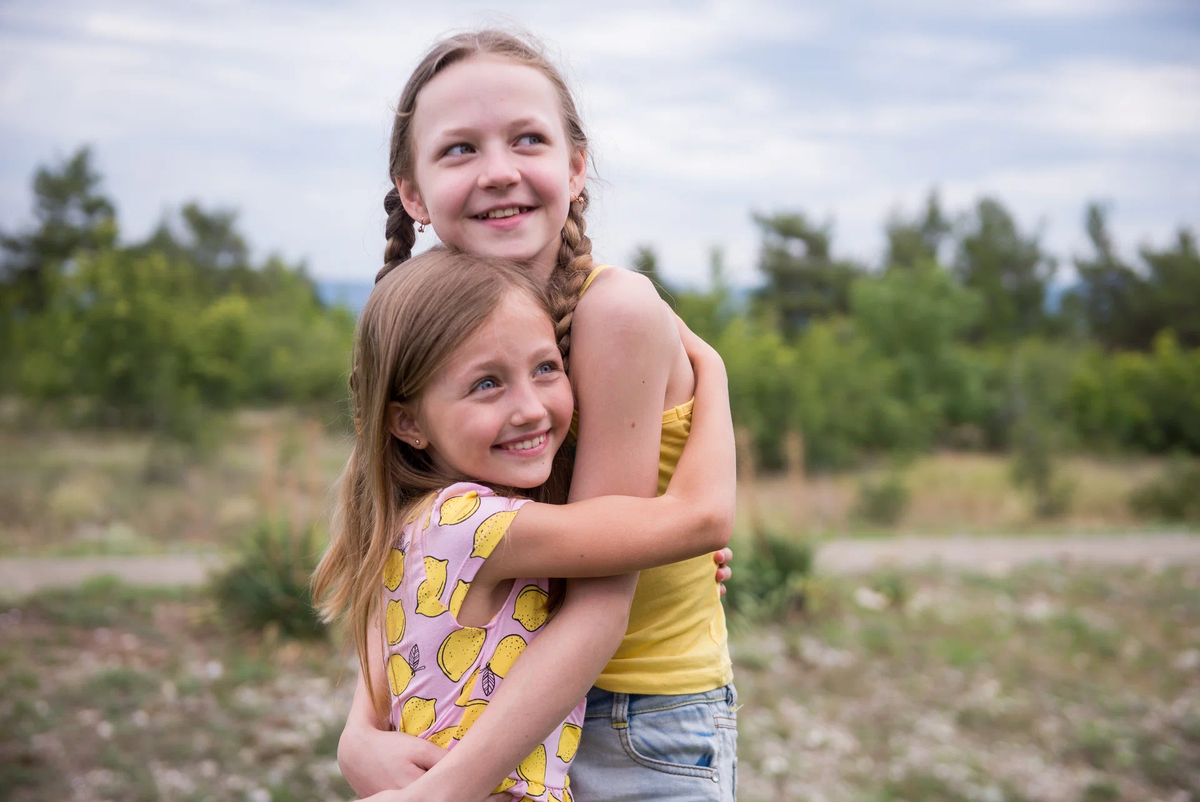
x,y
518,328
485,89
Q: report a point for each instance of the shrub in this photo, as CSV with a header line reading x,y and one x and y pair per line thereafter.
x,y
770,581
1174,496
882,501
1034,468
269,584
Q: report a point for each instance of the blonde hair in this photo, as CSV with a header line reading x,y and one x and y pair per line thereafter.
x,y
575,253
411,326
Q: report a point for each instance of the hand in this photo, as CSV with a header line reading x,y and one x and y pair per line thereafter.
x,y
722,558
376,760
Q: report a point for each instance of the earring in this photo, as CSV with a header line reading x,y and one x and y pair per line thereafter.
x,y
420,228
416,442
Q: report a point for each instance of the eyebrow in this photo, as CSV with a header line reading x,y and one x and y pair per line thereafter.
x,y
520,122
491,365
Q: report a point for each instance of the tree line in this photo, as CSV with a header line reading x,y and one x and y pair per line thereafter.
x,y
959,337
158,334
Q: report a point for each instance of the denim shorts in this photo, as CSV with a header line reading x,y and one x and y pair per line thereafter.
x,y
638,747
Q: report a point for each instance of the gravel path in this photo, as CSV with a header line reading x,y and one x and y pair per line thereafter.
x,y
19,576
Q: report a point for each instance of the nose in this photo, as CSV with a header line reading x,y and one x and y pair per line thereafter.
x,y
499,170
527,405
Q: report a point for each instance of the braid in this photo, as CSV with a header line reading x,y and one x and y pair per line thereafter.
x,y
574,265
400,231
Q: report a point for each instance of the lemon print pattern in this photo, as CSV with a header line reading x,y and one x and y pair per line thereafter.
x,y
443,737
468,686
393,570
533,771
458,509
472,713
417,715
459,651
568,742
456,598
490,531
505,784
395,622
429,592
400,673
507,652
530,610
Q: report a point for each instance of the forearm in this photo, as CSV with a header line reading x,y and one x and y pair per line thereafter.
x,y
706,476
554,672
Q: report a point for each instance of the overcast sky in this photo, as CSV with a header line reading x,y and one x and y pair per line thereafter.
x,y
699,112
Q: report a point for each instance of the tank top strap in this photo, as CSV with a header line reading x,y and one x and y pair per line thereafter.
x,y
587,282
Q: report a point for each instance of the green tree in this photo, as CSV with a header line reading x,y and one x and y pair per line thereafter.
x,y
645,261
1008,269
804,282
71,215
1174,287
915,318
1111,296
708,312
914,241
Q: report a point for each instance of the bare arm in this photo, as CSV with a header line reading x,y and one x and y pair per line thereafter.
x,y
372,758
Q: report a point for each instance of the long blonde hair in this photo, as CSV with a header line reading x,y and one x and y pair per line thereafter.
x,y
411,326
575,252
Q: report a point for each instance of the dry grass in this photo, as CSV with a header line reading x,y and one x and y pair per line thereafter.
x,y
955,493
78,493
65,492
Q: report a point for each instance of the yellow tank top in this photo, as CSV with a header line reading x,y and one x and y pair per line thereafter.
x,y
676,642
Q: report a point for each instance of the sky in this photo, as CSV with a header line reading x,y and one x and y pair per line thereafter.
x,y
699,114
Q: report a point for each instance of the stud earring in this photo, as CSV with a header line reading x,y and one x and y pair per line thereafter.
x,y
416,442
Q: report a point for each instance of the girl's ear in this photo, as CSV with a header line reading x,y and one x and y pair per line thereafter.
x,y
404,426
578,168
410,196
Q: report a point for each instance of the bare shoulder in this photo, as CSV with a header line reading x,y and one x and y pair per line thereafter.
x,y
622,303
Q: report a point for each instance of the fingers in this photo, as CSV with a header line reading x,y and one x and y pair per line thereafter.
x,y
723,556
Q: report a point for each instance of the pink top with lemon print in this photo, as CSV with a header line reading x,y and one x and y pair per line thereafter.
x,y
441,674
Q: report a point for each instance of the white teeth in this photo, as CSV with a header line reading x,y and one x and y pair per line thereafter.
x,y
525,445
498,213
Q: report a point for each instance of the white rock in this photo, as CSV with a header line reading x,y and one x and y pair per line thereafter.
x,y
1187,661
870,599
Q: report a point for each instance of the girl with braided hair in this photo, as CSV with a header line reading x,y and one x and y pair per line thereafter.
x,y
488,148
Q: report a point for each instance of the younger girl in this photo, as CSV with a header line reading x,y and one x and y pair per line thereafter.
x,y
460,401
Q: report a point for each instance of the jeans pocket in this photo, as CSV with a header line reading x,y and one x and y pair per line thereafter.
x,y
679,739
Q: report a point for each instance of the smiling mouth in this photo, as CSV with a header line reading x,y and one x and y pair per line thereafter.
x,y
524,445
498,214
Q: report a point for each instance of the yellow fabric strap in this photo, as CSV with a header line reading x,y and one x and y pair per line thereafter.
x,y
587,282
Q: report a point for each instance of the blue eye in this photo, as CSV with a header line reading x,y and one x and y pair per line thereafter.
x,y
461,149
486,384
530,139
544,368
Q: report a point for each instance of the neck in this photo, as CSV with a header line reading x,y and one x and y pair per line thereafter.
x,y
543,264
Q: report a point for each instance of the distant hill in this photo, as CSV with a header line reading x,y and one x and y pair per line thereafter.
x,y
352,294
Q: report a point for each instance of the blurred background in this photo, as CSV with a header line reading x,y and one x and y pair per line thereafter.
x,y
948,252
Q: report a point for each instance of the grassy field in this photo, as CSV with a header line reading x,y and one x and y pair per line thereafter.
x,y
1050,683
70,493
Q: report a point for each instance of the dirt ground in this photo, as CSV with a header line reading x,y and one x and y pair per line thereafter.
x,y
1056,682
